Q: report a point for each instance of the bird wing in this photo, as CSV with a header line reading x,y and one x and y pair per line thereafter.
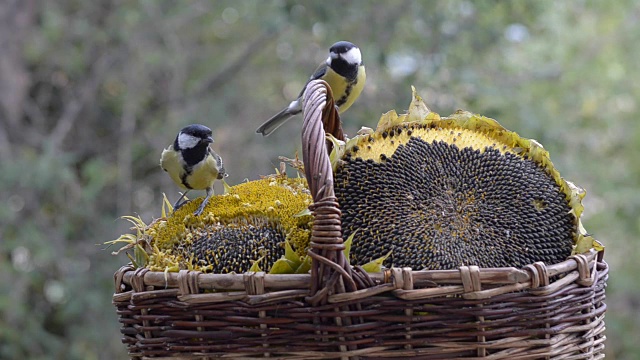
x,y
321,70
219,165
171,162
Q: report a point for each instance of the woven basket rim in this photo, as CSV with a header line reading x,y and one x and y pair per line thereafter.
x,y
470,281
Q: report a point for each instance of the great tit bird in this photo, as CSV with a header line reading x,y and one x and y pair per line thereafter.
x,y
192,164
343,71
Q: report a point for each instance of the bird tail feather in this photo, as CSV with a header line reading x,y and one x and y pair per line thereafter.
x,y
275,122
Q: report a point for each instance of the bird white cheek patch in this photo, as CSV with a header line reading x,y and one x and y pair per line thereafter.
x,y
186,141
353,56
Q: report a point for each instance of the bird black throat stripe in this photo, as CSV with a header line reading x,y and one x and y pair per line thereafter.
x,y
347,92
183,178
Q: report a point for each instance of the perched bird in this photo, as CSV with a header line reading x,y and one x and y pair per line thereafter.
x,y
343,71
192,164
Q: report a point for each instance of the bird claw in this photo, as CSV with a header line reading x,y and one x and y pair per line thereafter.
x,y
201,208
204,202
179,204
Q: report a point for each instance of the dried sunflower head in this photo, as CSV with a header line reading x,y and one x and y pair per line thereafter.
x,y
249,224
238,245
444,192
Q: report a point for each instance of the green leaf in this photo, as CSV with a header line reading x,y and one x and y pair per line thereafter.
x,y
337,152
347,245
290,263
227,187
141,256
282,266
302,213
375,265
133,261
305,266
291,255
255,267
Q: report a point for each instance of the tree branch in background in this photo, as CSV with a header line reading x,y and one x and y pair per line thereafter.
x,y
84,94
215,82
16,20
5,147
125,153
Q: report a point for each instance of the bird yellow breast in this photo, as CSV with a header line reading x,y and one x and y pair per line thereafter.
x,y
202,175
339,87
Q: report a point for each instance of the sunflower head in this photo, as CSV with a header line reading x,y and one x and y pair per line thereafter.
x,y
459,190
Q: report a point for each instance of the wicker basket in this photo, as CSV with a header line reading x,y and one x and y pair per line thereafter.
x,y
338,311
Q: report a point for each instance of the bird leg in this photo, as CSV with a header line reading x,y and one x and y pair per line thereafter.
x,y
204,202
177,205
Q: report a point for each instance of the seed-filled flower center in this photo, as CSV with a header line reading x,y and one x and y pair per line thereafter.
x,y
235,246
440,205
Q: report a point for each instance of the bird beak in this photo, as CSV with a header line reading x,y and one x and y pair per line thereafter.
x,y
328,62
209,139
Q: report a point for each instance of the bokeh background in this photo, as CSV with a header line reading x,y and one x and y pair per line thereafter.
x,y
91,92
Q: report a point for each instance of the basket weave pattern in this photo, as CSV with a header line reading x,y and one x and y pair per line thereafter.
x,y
338,311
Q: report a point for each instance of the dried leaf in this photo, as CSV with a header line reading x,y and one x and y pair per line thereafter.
x,y
167,207
388,119
418,110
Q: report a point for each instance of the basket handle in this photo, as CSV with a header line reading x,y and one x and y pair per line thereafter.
x,y
330,270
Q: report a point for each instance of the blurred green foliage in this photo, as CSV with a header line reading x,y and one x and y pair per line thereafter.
x,y
91,91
